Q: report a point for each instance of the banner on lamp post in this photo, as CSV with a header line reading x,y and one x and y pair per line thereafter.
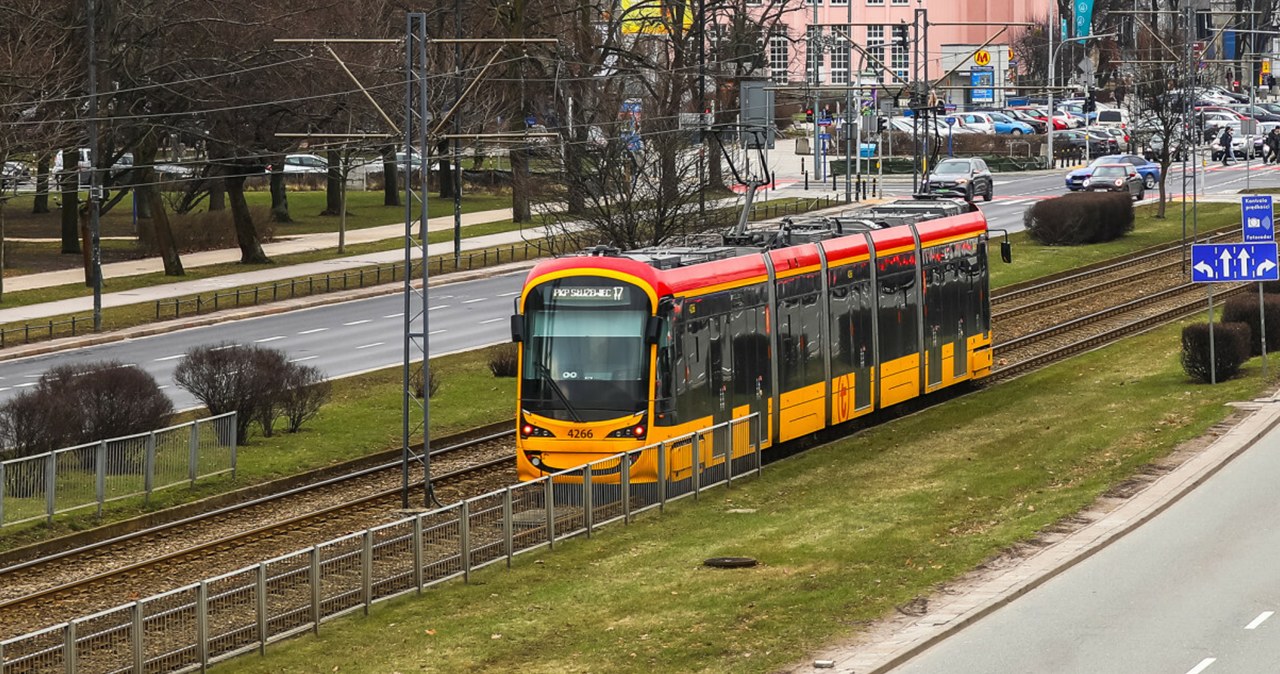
x,y
1082,13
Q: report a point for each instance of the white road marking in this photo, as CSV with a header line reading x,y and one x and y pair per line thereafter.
x,y
1204,664
268,339
394,315
312,331
6,388
436,332
511,294
163,387
358,322
478,299
304,358
1262,617
493,320
30,383
370,346
224,346
438,306
32,376
161,360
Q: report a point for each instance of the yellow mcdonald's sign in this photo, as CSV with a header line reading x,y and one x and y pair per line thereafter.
x,y
654,17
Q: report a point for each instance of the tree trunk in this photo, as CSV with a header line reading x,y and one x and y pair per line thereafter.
x,y
217,193
70,186
445,160
279,195
520,211
140,201
147,192
41,204
246,233
333,184
390,178
576,199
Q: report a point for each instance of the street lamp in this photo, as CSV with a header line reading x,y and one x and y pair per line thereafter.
x,y
1053,56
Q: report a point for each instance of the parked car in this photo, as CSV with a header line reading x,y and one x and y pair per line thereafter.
x,y
1116,178
1007,125
1155,146
1038,124
14,173
1073,140
966,177
1243,146
1255,111
1147,170
975,120
1113,117
304,163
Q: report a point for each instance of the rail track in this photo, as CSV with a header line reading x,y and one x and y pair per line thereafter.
x,y
1083,310
73,582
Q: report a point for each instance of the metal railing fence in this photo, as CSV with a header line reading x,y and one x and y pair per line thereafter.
x,y
93,474
191,627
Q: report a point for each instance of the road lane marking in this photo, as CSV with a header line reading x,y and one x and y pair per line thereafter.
x,y
361,322
438,306
312,331
268,339
303,359
24,385
394,315
161,360
1204,664
370,346
511,294
225,346
1262,617
478,299
493,320
436,332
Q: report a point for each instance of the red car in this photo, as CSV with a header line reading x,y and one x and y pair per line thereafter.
x,y
1059,123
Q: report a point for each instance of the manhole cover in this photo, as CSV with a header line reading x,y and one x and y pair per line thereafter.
x,y
730,562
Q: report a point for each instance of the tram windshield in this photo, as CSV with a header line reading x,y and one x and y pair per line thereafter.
x,y
585,357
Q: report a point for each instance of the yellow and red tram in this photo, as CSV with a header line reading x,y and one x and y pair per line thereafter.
x,y
811,326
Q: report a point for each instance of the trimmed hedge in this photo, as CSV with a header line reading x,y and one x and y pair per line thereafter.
x,y
1230,350
1244,309
1075,219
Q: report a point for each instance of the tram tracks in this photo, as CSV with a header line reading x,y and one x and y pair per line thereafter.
x,y
74,582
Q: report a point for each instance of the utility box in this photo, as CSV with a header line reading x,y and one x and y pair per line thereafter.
x,y
803,146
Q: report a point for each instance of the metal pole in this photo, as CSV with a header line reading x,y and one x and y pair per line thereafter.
x,y
1213,365
1262,328
95,179
1253,86
702,111
812,57
862,58
410,20
457,129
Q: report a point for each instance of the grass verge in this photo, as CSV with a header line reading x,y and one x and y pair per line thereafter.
x,y
845,533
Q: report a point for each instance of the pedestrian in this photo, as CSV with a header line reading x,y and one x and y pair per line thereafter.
x,y
1274,137
1225,142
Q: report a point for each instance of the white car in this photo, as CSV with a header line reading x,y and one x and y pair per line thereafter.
x,y
977,121
304,163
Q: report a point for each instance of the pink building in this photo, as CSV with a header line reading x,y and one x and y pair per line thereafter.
x,y
872,26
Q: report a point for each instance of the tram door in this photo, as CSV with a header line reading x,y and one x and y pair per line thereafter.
x,y
748,339
936,333
862,346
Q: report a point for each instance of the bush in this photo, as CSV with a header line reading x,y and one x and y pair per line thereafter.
x,y
84,402
306,391
1244,309
1074,219
233,378
1230,350
415,382
504,360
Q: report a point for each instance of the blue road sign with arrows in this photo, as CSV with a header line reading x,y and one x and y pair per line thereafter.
x,y
1223,262
1255,214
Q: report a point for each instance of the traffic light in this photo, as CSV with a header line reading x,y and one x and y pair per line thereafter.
x,y
901,37
882,124
808,114
940,109
1090,103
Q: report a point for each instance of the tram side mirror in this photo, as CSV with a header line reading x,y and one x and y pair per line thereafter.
x,y
652,330
517,328
1006,252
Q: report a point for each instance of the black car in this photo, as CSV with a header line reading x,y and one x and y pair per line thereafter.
x,y
966,177
1073,140
1116,178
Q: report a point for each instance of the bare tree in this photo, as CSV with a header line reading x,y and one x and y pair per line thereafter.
x,y
1160,71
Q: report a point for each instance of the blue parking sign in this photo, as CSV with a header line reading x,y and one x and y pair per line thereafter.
x,y
1255,214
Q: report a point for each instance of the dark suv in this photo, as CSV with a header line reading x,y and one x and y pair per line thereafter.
x,y
966,177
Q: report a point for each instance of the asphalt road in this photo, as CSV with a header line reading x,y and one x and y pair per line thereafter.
x,y
1194,590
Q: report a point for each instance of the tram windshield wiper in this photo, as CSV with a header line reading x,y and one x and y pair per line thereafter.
x,y
544,373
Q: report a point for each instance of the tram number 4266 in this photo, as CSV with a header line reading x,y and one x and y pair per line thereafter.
x,y
581,433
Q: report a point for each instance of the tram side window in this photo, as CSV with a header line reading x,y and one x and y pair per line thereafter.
x,y
898,300
664,373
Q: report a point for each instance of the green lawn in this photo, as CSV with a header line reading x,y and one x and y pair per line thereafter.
x,y
844,533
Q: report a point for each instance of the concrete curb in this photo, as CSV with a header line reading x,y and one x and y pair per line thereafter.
x,y
896,641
